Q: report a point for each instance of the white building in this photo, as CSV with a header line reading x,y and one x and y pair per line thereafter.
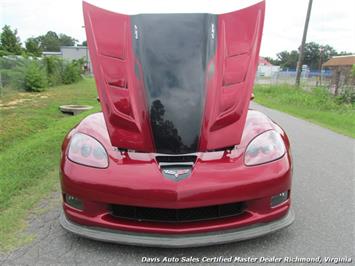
x,y
73,53
266,69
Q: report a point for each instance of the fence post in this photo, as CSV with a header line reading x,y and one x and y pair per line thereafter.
x,y
0,86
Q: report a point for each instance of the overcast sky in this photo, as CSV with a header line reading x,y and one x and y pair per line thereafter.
x,y
332,22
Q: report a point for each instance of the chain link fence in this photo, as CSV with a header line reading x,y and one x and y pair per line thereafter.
x,y
309,79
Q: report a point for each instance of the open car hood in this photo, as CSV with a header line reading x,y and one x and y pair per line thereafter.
x,y
174,83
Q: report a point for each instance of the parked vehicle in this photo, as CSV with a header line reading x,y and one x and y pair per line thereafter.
x,y
176,158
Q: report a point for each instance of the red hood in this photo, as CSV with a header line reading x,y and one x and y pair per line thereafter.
x,y
174,83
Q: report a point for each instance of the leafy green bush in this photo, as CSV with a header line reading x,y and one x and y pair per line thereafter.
x,y
27,73
3,53
323,99
12,69
54,67
72,72
347,95
35,77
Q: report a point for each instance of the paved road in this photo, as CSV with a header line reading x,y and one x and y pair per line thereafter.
x,y
323,199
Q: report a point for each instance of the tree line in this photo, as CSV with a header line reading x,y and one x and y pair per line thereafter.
x,y
10,43
314,55
30,71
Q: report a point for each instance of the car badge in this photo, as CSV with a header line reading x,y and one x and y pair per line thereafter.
x,y
176,174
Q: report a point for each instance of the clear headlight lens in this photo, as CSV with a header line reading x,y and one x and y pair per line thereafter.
x,y
266,147
86,150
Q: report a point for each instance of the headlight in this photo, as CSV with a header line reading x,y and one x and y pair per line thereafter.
x,y
86,150
266,147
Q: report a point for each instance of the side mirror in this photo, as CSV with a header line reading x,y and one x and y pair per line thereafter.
x,y
252,96
98,99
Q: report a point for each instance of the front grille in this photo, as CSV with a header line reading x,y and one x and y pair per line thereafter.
x,y
176,159
177,215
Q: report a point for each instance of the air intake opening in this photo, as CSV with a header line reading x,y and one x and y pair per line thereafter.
x,y
178,215
176,159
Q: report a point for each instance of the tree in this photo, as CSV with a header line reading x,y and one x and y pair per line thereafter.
x,y
84,43
9,41
282,57
35,77
52,42
49,42
33,46
313,52
288,59
65,40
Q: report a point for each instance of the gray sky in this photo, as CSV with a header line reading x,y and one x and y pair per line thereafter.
x,y
332,22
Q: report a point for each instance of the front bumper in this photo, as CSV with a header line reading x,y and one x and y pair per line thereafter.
x,y
177,240
217,178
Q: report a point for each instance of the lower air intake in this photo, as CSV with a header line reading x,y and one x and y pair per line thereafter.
x,y
177,215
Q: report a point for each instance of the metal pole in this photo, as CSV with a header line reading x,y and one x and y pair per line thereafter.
x,y
0,86
320,65
87,60
304,37
87,56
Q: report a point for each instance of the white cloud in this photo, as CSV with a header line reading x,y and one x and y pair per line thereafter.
x,y
332,22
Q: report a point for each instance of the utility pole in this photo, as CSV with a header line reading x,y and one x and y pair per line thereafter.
x,y
300,57
0,86
321,49
87,69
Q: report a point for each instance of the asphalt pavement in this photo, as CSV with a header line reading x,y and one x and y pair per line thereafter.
x,y
323,200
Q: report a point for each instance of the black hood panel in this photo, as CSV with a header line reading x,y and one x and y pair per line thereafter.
x,y
173,51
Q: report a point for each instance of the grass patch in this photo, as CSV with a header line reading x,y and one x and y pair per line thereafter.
x,y
30,139
316,106
12,219
23,114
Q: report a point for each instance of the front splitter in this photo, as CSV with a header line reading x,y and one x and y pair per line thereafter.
x,y
177,240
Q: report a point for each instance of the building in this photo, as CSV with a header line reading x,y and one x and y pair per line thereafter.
x,y
73,53
59,54
266,69
341,67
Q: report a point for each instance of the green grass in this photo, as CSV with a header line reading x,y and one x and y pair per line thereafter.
x,y
31,134
316,106
39,111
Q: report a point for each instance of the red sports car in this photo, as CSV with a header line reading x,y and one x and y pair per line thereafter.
x,y
176,158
